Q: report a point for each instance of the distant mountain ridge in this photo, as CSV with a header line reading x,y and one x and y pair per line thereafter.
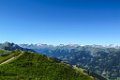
x,y
72,45
11,47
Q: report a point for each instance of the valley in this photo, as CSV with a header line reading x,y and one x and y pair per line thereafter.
x,y
102,60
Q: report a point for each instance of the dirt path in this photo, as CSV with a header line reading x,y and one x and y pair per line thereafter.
x,y
10,59
7,60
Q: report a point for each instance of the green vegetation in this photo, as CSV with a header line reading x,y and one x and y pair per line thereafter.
x,y
5,56
4,52
32,66
100,61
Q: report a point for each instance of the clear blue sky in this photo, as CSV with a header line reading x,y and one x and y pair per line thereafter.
x,y
60,21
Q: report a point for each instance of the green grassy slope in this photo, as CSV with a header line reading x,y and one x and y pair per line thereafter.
x,y
32,66
7,55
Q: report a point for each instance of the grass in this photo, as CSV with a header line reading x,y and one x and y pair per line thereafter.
x,y
32,66
8,56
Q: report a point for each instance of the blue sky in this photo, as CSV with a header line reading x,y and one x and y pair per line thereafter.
x,y
60,21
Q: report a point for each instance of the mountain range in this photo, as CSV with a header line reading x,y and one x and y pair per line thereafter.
x,y
98,61
102,60
11,46
17,63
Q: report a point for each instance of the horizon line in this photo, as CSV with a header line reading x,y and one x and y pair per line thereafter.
x,y
104,45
